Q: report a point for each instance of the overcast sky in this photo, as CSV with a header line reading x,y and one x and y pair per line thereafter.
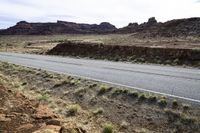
x,y
117,12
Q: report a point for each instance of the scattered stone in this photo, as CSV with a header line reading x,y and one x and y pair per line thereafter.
x,y
57,122
48,129
71,128
42,112
25,127
3,118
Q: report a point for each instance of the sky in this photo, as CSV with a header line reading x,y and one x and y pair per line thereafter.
x,y
117,12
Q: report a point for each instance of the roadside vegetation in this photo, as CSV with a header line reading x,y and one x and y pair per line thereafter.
x,y
98,107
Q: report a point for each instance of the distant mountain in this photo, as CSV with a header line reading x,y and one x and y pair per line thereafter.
x,y
61,27
152,28
176,27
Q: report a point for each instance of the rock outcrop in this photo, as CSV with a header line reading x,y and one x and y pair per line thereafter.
x,y
152,28
61,27
173,28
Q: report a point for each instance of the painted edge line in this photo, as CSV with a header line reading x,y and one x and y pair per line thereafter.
x,y
108,82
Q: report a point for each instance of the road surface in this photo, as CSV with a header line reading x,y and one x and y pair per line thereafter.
x,y
172,81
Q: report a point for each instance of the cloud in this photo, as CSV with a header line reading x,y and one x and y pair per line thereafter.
x,y
118,12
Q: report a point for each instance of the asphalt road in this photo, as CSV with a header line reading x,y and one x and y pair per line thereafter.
x,y
172,81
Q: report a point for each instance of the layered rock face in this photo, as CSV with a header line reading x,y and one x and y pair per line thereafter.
x,y
152,28
173,28
61,27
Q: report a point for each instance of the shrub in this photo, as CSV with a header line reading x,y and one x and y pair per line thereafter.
x,y
174,104
92,85
98,111
108,128
125,91
142,97
134,94
104,89
187,120
118,91
44,97
72,110
186,107
162,103
24,83
152,99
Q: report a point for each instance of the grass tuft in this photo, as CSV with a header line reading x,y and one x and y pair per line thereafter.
x,y
152,99
103,89
98,111
44,97
142,97
108,128
134,94
186,107
174,104
72,110
162,103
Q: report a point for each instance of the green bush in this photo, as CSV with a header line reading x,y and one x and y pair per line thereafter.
x,y
152,99
108,128
134,94
174,104
186,107
98,111
162,103
92,85
125,91
142,97
118,91
104,89
44,97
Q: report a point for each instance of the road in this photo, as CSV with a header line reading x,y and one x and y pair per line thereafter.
x,y
177,82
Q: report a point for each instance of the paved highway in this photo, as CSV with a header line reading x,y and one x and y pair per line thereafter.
x,y
178,82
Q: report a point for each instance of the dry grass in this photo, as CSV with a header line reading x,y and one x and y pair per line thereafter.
x,y
40,44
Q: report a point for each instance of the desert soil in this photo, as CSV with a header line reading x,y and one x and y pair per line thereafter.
x,y
40,44
98,104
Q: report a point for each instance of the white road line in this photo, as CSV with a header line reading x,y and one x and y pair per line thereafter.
x,y
122,85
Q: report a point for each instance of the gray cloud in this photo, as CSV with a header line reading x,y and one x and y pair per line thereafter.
x,y
118,12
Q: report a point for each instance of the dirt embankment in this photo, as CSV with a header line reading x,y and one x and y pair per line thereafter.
x,y
171,56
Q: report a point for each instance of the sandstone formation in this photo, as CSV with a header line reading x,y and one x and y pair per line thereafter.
x,y
61,27
173,28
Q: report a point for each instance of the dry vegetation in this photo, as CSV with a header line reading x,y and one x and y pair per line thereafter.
x,y
96,107
40,44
